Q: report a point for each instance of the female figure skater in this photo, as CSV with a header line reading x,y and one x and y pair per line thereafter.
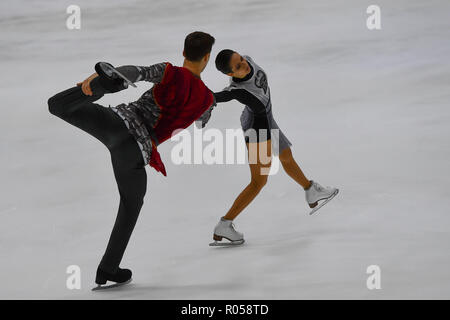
x,y
248,85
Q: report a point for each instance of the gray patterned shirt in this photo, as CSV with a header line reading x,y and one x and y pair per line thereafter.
x,y
141,116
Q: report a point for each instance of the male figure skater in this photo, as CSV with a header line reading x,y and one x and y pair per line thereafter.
x,y
132,131
248,85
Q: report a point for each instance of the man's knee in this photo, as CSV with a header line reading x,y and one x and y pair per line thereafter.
x,y
52,105
133,204
133,198
65,102
140,202
55,107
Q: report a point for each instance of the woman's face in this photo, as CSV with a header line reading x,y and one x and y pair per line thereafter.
x,y
239,66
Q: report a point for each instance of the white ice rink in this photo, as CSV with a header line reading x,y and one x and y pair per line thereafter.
x,y
366,111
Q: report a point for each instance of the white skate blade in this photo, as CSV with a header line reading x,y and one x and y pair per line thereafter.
x,y
226,244
108,68
324,202
115,285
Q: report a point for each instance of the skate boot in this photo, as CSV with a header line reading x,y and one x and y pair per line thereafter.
x,y
110,79
316,193
225,229
121,277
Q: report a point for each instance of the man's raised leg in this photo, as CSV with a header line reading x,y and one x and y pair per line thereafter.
x,y
74,107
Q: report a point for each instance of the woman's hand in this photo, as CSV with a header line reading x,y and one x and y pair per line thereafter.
x,y
86,85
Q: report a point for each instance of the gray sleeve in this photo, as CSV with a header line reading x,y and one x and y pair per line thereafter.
x,y
153,73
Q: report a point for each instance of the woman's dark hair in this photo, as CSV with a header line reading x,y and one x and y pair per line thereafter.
x,y
223,61
197,44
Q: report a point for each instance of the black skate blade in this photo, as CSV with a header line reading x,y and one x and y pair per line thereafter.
x,y
115,285
125,78
324,202
111,70
226,244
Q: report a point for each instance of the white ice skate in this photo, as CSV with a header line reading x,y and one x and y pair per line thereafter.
x,y
316,193
225,229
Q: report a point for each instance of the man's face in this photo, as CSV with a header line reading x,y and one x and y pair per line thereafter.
x,y
239,66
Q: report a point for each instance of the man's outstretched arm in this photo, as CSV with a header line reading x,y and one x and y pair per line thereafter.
x,y
153,73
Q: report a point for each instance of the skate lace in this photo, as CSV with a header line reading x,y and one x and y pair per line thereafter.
x,y
319,187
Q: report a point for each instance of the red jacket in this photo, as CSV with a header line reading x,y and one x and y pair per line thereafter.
x,y
182,98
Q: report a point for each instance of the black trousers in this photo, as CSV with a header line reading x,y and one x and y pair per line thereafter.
x,y
128,164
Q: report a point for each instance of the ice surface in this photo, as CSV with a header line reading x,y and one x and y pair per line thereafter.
x,y
366,111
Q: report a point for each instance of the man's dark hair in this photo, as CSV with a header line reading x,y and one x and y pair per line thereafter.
x,y
223,61
197,44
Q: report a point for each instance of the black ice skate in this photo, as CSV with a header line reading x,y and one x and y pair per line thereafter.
x,y
111,79
121,277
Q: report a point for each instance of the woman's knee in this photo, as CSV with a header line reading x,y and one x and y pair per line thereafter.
x,y
286,156
258,182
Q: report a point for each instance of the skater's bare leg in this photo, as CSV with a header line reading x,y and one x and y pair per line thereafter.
x,y
259,173
292,169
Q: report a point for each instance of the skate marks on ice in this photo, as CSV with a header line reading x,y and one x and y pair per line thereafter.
x,y
156,289
324,202
227,243
111,286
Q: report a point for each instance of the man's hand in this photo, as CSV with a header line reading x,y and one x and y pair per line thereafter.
x,y
86,85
